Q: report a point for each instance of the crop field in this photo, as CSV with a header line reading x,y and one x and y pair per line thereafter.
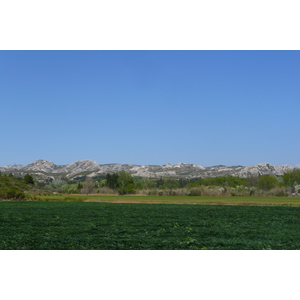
x,y
94,225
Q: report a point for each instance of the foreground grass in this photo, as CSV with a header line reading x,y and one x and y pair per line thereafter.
x,y
206,200
77,225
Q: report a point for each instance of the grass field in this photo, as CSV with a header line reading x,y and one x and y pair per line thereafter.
x,y
92,225
206,200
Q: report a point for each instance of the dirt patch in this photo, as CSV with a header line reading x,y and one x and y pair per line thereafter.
x,y
124,201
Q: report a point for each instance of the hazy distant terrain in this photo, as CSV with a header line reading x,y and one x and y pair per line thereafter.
x,y
43,169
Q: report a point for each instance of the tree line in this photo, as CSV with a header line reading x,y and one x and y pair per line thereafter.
x,y
123,183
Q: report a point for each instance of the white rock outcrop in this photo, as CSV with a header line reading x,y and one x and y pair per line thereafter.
x,y
44,169
264,169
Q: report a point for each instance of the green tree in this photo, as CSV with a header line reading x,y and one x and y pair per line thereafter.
x,y
138,185
28,179
125,183
267,182
159,182
252,181
171,183
102,182
289,178
143,183
112,181
149,184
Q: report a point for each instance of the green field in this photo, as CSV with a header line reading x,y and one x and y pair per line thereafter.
x,y
92,225
206,200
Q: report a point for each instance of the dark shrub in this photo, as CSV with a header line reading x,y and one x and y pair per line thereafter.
x,y
14,193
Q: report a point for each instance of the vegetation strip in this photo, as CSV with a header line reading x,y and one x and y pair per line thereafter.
x,y
201,200
123,183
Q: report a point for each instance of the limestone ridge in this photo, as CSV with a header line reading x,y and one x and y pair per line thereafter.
x,y
43,169
263,169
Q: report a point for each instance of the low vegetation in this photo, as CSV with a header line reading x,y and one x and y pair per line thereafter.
x,y
123,183
71,225
20,188
201,200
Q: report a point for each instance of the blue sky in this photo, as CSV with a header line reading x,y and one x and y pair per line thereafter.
x,y
150,107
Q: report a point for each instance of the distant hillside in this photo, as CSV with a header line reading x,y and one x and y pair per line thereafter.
x,y
43,169
14,188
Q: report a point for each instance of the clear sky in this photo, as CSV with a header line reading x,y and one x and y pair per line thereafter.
x,y
150,107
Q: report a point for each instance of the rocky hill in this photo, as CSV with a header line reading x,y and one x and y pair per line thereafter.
x,y
42,169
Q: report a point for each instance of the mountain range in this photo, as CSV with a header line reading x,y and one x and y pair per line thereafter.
x,y
43,169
